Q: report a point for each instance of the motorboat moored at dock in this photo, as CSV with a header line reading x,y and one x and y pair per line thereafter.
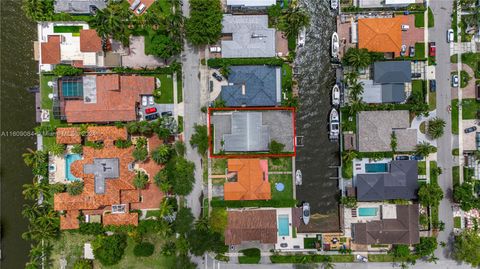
x,y
336,95
335,45
334,124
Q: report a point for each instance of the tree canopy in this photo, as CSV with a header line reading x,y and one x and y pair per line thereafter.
x,y
430,194
164,46
435,128
463,194
205,23
183,221
357,58
199,139
467,247
109,250
426,247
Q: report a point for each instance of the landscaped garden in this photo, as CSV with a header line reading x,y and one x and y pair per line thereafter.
x,y
457,222
164,94
471,59
422,170
287,193
280,164
74,29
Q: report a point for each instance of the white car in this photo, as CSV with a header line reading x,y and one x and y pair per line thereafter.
x,y
214,49
144,100
150,100
405,27
141,8
455,81
450,36
404,50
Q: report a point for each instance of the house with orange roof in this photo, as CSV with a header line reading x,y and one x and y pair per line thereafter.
x,y
247,179
100,98
381,34
72,43
107,174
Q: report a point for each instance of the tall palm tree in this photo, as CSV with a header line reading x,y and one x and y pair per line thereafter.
x,y
351,77
32,191
294,20
202,224
355,106
33,158
165,208
357,58
355,90
30,212
424,149
436,127
349,155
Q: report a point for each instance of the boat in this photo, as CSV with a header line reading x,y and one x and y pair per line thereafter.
x,y
306,213
336,95
298,177
334,4
334,124
301,37
335,45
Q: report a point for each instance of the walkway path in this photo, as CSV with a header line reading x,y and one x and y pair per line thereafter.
x,y
417,121
469,90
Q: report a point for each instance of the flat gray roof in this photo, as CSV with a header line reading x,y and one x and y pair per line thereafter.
x,y
251,36
78,6
252,131
255,85
392,72
375,129
102,169
374,93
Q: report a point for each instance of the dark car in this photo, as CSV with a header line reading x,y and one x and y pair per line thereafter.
x,y
150,110
433,85
416,75
411,51
470,129
416,157
402,158
167,113
151,116
217,76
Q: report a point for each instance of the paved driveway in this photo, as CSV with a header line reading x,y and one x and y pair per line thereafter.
x,y
137,57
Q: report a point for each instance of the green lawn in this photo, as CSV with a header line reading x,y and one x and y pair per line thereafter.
x,y
165,90
287,193
471,59
348,125
422,167
347,170
179,88
454,114
380,258
48,141
433,175
153,213
432,101
251,256
470,108
431,18
180,124
456,175
420,19
455,152
71,245
464,78
418,86
280,164
310,258
309,242
74,29
420,50
457,222
219,166
47,103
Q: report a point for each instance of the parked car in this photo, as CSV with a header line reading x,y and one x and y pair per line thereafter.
x,y
151,116
402,158
433,85
470,129
150,100
211,86
150,110
432,49
141,8
167,113
411,51
404,50
455,80
416,157
214,49
217,76
144,100
405,27
477,92
416,75
450,36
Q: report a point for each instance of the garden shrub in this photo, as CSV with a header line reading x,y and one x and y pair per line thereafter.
x,y
144,249
75,187
109,250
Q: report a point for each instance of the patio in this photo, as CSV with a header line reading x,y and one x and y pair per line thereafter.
x,y
359,165
469,141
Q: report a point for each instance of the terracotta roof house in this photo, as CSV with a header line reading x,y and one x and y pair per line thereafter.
x,y
248,180
399,225
381,34
251,225
72,43
107,175
100,98
68,135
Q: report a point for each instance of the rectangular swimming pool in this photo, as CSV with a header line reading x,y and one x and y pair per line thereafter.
x,y
283,226
367,211
69,159
376,167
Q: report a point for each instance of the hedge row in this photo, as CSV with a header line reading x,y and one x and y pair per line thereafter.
x,y
310,258
238,204
219,62
174,67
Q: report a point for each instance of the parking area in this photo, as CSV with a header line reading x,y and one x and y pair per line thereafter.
x,y
412,35
215,85
469,142
149,107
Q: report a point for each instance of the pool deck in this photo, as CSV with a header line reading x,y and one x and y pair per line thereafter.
x,y
359,165
289,240
349,219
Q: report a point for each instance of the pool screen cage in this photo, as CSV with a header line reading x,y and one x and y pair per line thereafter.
x,y
66,88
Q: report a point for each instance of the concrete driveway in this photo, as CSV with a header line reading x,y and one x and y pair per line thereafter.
x,y
137,57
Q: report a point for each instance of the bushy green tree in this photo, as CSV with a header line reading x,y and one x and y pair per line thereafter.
x,y
75,187
140,180
143,249
183,221
109,250
348,202
276,147
164,47
83,264
467,247
463,194
205,23
38,10
436,128
430,195
67,70
426,247
162,154
199,138
183,176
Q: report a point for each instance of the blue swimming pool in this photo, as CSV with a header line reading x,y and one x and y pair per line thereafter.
x,y
69,159
376,167
283,226
367,211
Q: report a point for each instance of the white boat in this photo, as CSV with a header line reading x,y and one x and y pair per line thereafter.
x,y
335,45
301,37
334,124
306,213
298,178
334,4
336,95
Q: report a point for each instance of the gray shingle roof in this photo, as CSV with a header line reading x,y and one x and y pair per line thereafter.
x,y
383,93
248,133
252,86
402,230
251,36
400,183
392,72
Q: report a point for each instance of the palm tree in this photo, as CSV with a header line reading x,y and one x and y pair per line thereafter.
x,y
355,90
435,127
165,208
294,20
202,224
56,149
349,155
424,149
355,106
357,58
32,191
30,212
34,158
351,77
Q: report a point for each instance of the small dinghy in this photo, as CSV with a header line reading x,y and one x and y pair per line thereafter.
x,y
334,4
336,95
306,213
334,124
301,38
298,177
335,45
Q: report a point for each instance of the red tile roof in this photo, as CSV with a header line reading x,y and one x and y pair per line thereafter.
x,y
108,134
252,180
69,221
152,196
51,50
68,135
381,34
121,219
251,225
116,99
90,41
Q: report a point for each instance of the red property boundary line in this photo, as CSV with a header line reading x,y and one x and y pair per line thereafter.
x,y
227,156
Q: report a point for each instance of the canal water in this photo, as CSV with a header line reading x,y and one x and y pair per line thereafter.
x,y
318,155
17,114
